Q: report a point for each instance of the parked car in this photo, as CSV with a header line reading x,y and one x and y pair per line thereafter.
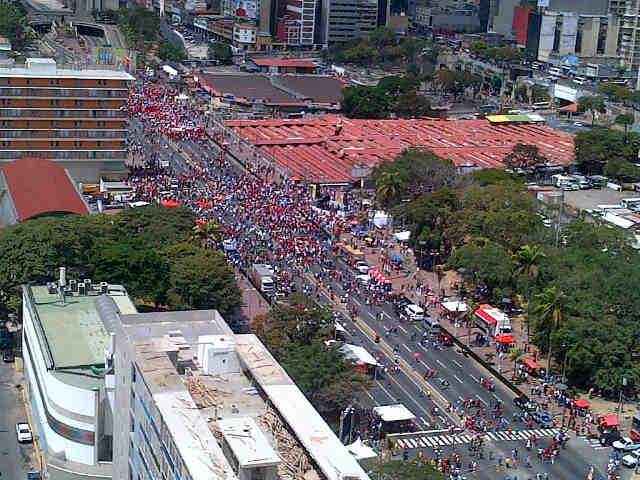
x,y
626,444
362,267
631,460
34,476
23,432
609,438
543,419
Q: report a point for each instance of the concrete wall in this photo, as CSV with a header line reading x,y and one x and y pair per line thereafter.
x,y
8,214
590,33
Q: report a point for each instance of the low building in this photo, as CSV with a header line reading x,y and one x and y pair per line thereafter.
x,y
63,346
282,65
195,401
244,36
33,187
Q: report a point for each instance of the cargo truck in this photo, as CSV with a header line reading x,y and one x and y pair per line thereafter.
x,y
262,277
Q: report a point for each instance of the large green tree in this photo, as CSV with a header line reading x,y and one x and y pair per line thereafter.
x,y
168,51
14,24
199,278
551,307
220,51
365,102
592,104
140,269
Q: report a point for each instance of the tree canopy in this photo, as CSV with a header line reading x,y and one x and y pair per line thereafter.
x,y
295,333
14,24
220,51
168,51
393,94
133,248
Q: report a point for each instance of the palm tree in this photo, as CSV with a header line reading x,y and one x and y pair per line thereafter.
x,y
206,233
526,262
389,186
551,308
470,315
516,355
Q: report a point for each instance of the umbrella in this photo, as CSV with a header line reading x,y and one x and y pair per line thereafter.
x,y
339,244
354,222
581,403
170,203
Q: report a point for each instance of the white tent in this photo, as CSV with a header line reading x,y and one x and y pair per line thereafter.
x,y
361,451
394,413
402,236
380,219
358,354
454,306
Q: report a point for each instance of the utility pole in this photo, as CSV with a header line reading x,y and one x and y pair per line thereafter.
x,y
560,211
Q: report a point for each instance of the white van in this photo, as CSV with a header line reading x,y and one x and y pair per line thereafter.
x,y
541,106
579,80
414,312
555,71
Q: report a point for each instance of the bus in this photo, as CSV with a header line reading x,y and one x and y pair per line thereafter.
x,y
541,106
630,203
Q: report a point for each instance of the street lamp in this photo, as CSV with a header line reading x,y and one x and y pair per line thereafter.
x,y
564,363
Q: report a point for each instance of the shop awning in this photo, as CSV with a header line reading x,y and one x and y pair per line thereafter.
x,y
170,203
485,313
581,404
572,107
531,364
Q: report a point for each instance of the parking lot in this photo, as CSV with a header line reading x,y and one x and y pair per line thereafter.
x,y
591,198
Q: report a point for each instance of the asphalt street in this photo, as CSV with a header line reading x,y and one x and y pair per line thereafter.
x,y
408,386
15,458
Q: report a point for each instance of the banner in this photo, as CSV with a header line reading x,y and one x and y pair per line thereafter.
x,y
114,56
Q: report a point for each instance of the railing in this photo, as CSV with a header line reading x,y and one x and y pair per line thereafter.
x,y
257,161
17,113
109,93
66,134
64,154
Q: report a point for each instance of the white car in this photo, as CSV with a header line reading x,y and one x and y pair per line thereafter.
x,y
364,279
631,460
626,444
23,432
362,267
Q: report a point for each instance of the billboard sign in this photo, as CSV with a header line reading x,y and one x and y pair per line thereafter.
x,y
247,9
114,56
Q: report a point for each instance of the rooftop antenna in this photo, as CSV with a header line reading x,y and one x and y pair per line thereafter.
x,y
62,282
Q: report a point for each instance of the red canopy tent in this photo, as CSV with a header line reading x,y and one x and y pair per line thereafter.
x,y
170,203
581,404
531,364
609,420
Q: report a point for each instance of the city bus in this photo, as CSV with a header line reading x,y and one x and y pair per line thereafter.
x,y
350,255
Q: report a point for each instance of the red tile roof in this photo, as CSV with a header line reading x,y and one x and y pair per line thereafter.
x,y
40,186
310,149
283,62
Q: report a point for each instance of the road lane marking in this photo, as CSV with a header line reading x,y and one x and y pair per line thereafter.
x,y
458,364
456,377
403,329
405,346
478,397
474,378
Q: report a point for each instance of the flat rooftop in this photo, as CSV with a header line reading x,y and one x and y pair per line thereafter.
x,y
248,87
46,68
318,88
317,151
74,332
249,444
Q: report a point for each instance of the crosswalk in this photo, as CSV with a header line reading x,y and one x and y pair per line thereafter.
x,y
444,440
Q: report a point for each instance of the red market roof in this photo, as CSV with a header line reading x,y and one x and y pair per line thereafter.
x,y
531,364
319,152
39,186
283,62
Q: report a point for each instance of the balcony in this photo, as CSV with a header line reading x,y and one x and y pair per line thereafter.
x,y
38,113
75,93
64,154
51,134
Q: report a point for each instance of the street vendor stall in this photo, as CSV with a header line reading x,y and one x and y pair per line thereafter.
x,y
394,418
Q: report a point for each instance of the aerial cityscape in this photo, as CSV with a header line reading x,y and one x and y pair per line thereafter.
x,y
320,240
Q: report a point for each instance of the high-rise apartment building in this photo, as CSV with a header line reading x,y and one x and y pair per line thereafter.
x,y
343,20
73,117
303,12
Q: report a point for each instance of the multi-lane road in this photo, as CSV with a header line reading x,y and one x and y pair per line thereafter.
x,y
408,386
